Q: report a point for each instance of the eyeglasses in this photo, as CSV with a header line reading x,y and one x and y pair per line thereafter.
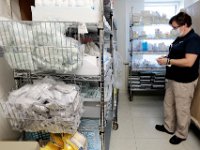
x,y
174,28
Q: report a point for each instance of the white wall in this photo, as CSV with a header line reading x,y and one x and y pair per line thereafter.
x,y
6,74
189,2
6,84
182,4
122,14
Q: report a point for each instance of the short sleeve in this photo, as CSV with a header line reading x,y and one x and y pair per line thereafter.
x,y
193,45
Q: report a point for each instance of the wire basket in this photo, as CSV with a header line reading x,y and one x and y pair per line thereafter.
x,y
41,46
37,117
36,136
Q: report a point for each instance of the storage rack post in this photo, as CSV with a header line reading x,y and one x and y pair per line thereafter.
x,y
102,101
114,97
22,76
102,111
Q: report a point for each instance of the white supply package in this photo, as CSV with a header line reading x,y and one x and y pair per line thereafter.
x,y
47,105
39,46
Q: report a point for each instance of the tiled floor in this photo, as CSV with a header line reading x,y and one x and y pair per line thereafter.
x,y
137,121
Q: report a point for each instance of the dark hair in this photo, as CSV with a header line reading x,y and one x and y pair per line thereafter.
x,y
181,18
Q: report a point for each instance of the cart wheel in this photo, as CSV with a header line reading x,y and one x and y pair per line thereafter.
x,y
131,96
115,126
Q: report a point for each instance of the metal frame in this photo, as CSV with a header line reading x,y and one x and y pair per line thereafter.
x,y
28,76
132,70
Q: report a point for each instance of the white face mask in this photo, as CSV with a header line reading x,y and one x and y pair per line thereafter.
x,y
177,32
180,34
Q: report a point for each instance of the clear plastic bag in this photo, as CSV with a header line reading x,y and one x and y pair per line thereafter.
x,y
118,65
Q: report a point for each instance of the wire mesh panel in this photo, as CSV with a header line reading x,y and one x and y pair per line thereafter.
x,y
46,105
37,118
40,46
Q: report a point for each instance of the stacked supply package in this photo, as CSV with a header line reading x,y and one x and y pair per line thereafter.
x,y
147,80
159,81
47,105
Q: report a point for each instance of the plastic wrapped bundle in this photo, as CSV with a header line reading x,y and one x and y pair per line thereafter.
x,y
41,46
61,60
91,49
75,141
49,34
15,33
23,35
64,59
47,105
118,65
5,32
66,3
20,58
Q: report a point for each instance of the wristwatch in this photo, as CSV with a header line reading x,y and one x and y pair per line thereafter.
x,y
168,62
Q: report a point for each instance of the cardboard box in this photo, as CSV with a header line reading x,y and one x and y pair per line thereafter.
x,y
18,145
195,108
194,11
25,8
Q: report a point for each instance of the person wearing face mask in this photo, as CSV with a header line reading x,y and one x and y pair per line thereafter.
x,y
182,66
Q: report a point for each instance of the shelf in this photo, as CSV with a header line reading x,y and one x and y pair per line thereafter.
x,y
140,38
148,42
65,77
146,90
27,74
145,25
149,69
149,52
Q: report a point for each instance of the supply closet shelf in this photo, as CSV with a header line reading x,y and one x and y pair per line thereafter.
x,y
146,90
146,81
27,74
150,69
150,38
46,52
45,48
139,52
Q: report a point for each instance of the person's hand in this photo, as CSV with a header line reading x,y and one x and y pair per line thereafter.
x,y
162,57
162,60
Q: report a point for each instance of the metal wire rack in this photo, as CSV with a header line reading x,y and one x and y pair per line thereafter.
x,y
23,41
40,45
47,117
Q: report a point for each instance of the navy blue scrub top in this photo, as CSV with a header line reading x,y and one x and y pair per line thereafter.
x,y
190,43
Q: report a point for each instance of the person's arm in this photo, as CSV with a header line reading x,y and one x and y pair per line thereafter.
x,y
188,61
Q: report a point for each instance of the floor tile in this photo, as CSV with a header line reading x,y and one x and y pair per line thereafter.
x,y
123,144
123,99
124,111
157,144
145,128
137,120
193,140
147,100
125,129
147,110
